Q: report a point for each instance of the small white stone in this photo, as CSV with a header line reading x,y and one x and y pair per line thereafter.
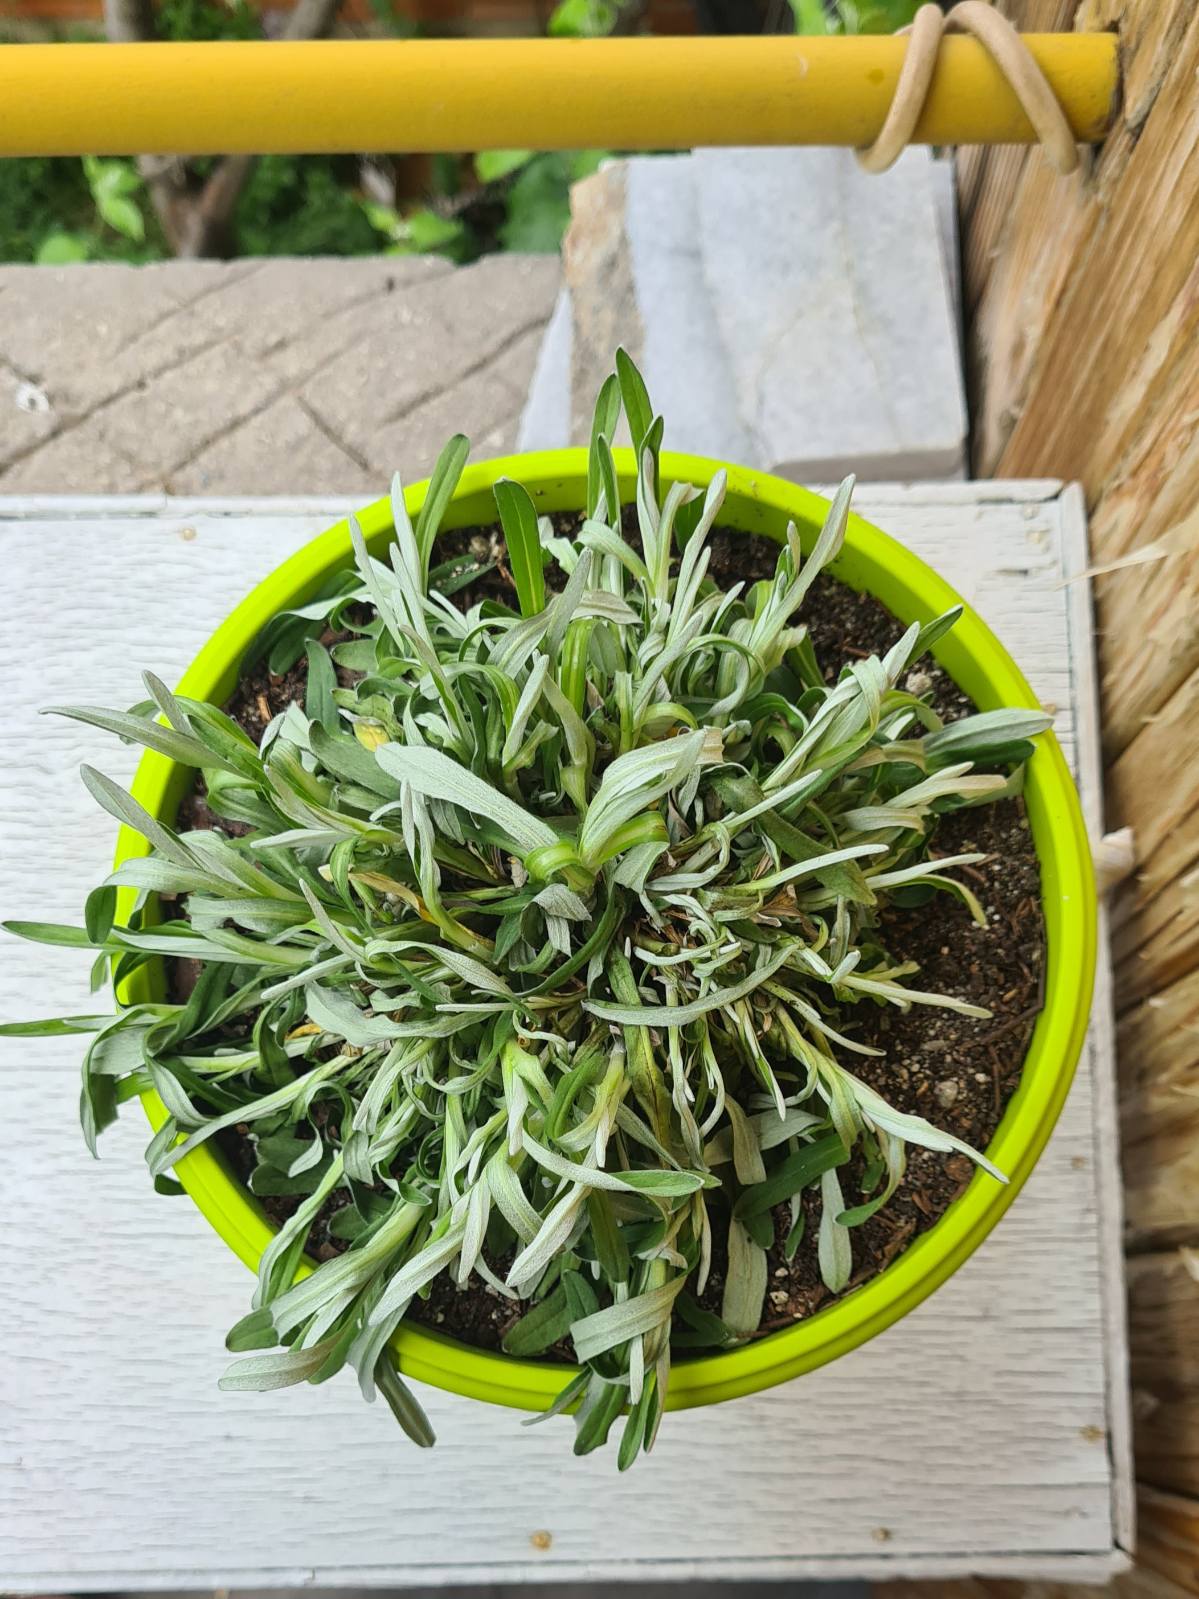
x,y
947,1092
28,397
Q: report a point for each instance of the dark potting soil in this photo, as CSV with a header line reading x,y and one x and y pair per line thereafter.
x,y
957,1072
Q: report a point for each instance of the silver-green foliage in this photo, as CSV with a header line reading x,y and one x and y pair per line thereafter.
x,y
541,948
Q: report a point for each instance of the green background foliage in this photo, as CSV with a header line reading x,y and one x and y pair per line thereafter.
x,y
59,210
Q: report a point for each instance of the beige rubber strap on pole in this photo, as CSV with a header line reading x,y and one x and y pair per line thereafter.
x,y
1009,53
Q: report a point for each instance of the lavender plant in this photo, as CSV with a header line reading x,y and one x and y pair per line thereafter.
x,y
539,945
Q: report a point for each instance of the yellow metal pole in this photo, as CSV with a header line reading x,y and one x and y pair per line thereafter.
x,y
547,94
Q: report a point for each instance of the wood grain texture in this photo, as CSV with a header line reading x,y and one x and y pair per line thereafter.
x,y
983,1434
1139,1584
1169,1545
1158,1042
1163,1311
1084,359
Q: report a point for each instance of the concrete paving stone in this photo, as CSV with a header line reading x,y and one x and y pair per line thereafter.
x,y
202,375
165,421
417,346
278,450
68,329
27,417
72,463
295,346
485,405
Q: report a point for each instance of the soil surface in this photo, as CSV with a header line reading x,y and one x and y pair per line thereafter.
x,y
957,1072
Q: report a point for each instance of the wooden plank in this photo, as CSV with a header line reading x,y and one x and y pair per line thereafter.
x,y
1045,227
1170,1538
1158,1042
1155,938
1109,1197
1163,1311
1154,788
1150,238
1018,1348
1138,1584
1149,617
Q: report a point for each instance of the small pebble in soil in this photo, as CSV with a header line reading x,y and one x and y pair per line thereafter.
x,y
947,1092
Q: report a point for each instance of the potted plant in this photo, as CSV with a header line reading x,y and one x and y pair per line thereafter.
x,y
597,929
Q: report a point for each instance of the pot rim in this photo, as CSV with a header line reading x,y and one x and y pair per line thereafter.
x,y
978,662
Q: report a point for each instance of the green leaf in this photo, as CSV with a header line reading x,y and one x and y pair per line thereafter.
x,y
424,232
835,1251
63,249
518,516
582,19
540,1328
255,1330
403,1403
637,407
123,215
681,1015
319,704
50,933
538,206
260,1373
445,479
702,1329
617,1324
792,1174
611,1250
633,1438
636,781
603,426
181,747
745,1281
439,777
991,736
492,165
52,1026
602,1404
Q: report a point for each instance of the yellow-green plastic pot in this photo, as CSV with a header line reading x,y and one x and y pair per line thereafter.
x,y
974,657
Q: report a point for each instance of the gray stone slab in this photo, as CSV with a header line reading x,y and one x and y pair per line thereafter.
x,y
265,450
787,310
545,422
281,376
943,173
829,290
686,364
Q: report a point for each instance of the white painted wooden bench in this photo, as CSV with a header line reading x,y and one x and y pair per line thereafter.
x,y
986,1433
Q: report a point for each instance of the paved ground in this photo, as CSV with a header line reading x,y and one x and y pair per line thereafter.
x,y
265,377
